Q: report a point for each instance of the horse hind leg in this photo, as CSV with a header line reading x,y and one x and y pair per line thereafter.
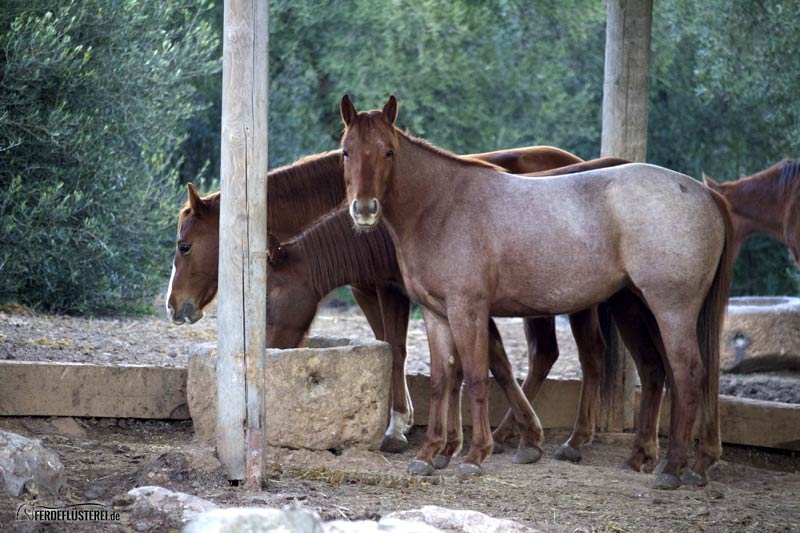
x,y
591,345
542,354
640,334
687,374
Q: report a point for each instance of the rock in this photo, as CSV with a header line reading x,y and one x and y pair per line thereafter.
x,y
332,394
157,508
201,390
390,525
460,521
255,520
67,425
761,334
27,465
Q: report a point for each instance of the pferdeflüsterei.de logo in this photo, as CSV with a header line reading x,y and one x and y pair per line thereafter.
x,y
79,512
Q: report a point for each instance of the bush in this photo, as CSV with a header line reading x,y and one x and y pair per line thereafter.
x,y
93,104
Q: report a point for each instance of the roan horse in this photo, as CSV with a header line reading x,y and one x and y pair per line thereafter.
x,y
766,202
473,242
299,194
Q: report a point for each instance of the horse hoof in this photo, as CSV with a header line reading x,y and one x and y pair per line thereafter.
x,y
420,468
394,444
660,466
524,456
690,477
467,470
667,482
566,452
441,461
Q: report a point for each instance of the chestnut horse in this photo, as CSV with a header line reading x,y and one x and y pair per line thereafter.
x,y
473,242
766,202
299,194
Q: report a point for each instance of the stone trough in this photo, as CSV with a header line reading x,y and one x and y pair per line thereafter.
x,y
332,394
761,333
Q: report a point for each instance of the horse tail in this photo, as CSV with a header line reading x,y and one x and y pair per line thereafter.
x,y
712,314
611,356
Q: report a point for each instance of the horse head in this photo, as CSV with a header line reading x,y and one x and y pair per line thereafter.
x,y
369,144
193,284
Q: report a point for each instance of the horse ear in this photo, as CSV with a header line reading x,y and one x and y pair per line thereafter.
x,y
275,254
390,109
195,201
348,110
710,182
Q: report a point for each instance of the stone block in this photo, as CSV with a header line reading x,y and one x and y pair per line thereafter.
x,y
332,394
761,334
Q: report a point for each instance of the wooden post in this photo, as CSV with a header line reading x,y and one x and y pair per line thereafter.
x,y
627,73
241,311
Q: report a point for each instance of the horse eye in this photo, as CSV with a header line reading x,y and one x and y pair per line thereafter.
x,y
345,154
184,248
389,154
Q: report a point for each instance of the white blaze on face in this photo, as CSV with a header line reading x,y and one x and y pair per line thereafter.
x,y
170,311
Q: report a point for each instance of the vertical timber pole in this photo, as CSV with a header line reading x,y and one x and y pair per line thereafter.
x,y
625,105
242,308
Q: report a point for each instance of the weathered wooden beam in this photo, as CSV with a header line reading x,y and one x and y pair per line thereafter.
x,y
241,311
751,422
30,388
624,134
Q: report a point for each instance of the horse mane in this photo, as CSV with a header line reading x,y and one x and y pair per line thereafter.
x,y
422,143
788,170
337,255
312,186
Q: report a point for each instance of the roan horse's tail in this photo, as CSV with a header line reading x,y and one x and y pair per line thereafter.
x,y
709,328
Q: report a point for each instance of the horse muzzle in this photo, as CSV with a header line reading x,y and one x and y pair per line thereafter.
x,y
365,214
185,313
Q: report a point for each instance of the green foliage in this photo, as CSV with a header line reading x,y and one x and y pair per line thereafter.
x,y
724,101
94,99
105,105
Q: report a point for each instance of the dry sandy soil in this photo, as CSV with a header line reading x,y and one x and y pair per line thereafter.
x,y
752,489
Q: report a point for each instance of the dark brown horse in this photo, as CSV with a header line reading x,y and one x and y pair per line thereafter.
x,y
299,194
473,242
767,202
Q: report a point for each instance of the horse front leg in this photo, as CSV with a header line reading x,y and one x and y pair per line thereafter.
x,y
469,327
455,434
443,360
540,334
530,429
395,307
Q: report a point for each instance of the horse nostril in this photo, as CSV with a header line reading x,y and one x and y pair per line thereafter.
x,y
375,206
354,208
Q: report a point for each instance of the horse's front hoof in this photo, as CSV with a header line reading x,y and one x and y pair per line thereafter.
x,y
667,482
467,470
441,461
690,477
527,455
420,468
394,444
565,452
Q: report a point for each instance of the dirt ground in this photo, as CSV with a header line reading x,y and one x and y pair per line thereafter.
x,y
751,489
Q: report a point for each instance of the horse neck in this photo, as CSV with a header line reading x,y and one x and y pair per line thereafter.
x,y
336,255
300,193
760,200
423,181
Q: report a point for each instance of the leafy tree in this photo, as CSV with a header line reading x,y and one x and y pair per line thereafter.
x,y
94,99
